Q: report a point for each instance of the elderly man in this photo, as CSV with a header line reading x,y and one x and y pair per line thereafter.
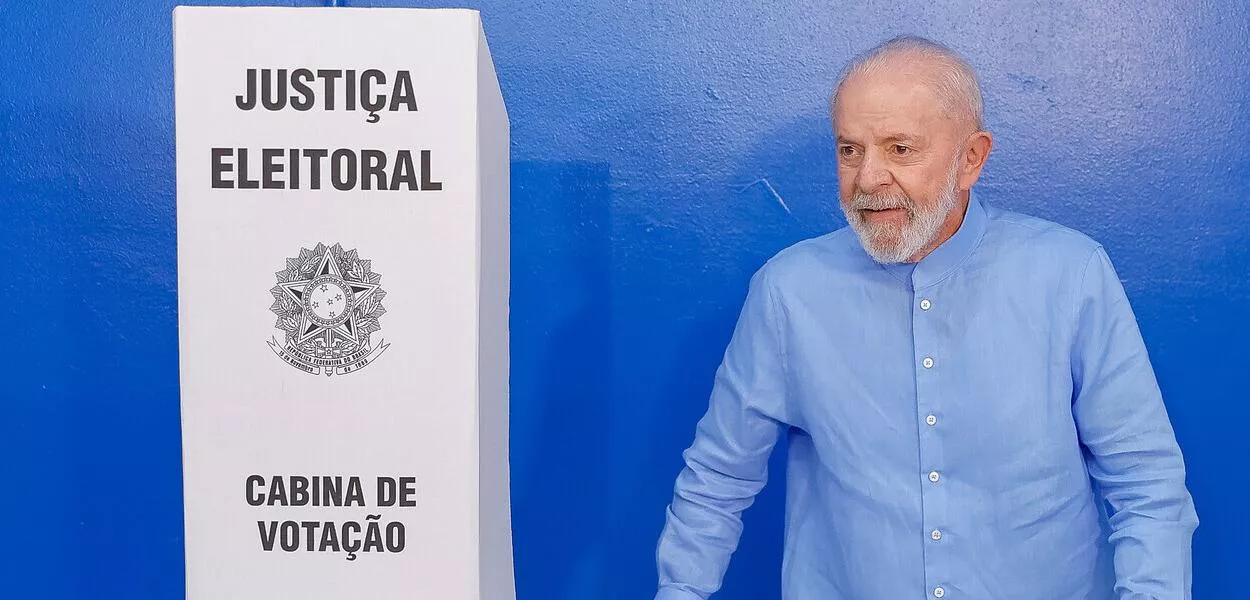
x,y
966,395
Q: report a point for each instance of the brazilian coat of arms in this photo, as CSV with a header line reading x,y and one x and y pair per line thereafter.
x,y
328,302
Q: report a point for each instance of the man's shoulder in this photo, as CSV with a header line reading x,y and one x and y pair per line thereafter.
x,y
825,254
1011,232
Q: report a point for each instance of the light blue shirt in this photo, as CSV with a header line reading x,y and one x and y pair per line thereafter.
x,y
954,427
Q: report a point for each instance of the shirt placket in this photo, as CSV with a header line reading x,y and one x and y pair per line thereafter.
x,y
934,472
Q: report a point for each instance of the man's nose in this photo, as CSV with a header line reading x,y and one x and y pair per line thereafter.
x,y
874,174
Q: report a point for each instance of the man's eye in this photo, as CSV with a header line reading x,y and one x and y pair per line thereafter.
x,y
847,151
901,150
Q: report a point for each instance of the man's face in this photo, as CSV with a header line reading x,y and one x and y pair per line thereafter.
x,y
897,162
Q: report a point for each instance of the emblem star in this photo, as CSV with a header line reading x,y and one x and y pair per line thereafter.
x,y
309,329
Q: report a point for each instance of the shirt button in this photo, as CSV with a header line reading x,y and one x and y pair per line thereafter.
x,y
934,477
925,304
927,362
931,420
936,535
938,592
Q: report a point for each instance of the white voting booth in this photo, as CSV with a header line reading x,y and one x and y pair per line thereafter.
x,y
342,201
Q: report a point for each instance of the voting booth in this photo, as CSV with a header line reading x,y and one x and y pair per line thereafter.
x,y
342,210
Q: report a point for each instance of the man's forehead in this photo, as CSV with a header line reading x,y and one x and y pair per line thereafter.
x,y
892,103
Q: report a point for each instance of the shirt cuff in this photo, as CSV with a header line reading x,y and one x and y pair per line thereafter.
x,y
670,593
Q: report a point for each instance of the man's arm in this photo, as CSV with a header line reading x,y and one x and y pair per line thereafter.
x,y
727,464
1132,450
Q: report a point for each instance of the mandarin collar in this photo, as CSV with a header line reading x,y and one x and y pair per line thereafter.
x,y
945,258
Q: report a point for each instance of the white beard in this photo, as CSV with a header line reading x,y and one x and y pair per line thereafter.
x,y
889,243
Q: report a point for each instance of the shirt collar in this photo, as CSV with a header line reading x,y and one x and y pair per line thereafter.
x,y
950,254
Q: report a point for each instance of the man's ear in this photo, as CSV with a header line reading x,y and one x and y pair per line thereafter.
x,y
973,159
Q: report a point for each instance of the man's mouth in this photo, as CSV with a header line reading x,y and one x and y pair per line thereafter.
x,y
883,211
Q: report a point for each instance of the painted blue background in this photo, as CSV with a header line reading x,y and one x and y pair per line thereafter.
x,y
662,151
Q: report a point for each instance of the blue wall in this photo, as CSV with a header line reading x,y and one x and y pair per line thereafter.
x,y
662,151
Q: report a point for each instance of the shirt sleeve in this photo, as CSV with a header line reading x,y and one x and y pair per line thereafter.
x,y
727,464
1131,450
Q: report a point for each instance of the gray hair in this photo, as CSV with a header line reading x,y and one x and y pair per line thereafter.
x,y
953,78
